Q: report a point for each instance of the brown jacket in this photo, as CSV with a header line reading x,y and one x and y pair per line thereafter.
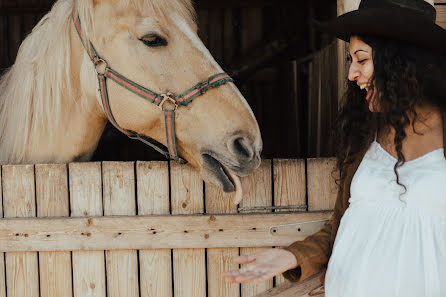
x,y
313,253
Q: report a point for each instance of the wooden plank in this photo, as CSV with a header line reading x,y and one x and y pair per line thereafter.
x,y
289,187
441,15
22,271
228,36
149,232
153,199
203,26
220,260
216,34
187,198
52,200
2,255
322,188
309,287
260,195
15,36
86,200
4,58
119,199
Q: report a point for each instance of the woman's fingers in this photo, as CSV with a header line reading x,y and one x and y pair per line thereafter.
x,y
245,259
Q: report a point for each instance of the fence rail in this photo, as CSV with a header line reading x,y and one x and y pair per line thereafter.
x,y
147,228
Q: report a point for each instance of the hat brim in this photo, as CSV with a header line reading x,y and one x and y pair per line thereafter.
x,y
390,23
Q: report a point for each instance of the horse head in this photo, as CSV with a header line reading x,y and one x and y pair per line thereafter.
x,y
154,44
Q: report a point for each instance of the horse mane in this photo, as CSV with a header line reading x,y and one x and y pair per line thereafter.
x,y
36,90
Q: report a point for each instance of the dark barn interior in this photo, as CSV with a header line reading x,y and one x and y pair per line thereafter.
x,y
285,69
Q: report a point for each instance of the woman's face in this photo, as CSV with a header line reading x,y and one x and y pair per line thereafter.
x,y
361,69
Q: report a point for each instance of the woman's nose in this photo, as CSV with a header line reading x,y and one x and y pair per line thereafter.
x,y
353,73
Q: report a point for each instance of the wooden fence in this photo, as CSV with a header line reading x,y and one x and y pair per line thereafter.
x,y
147,228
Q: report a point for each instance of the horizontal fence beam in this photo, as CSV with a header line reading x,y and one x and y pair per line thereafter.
x,y
150,232
311,286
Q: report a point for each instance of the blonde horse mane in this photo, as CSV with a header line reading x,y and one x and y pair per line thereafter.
x,y
38,87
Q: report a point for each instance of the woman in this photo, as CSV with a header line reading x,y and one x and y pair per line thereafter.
x,y
392,195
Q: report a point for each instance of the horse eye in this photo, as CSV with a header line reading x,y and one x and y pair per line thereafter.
x,y
153,40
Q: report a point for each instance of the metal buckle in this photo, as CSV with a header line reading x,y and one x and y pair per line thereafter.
x,y
168,98
100,66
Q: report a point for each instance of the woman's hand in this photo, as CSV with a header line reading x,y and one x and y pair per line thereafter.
x,y
261,266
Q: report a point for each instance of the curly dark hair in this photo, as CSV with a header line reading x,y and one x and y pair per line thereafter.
x,y
405,76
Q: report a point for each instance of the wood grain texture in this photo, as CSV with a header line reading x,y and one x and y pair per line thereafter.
x,y
2,255
22,271
187,198
220,260
289,187
322,188
86,199
52,201
155,266
119,199
150,232
309,287
259,195
441,15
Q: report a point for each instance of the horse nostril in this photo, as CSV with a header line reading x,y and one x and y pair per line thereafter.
x,y
241,147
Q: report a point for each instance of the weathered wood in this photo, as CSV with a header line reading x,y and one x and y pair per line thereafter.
x,y
215,34
187,198
289,187
22,271
308,287
52,201
119,199
441,15
220,260
155,266
2,255
259,195
322,188
86,200
153,232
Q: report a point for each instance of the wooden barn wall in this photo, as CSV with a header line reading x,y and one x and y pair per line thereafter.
x,y
287,71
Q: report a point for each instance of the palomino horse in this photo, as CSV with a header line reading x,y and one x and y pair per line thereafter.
x,y
51,109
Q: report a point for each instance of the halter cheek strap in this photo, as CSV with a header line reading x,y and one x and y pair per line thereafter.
x,y
168,103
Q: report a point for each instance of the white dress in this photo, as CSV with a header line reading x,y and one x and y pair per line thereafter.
x,y
390,243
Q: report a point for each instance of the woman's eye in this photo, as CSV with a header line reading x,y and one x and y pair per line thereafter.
x,y
348,59
154,40
362,61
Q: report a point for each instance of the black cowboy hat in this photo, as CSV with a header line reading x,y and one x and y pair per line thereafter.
x,y
412,21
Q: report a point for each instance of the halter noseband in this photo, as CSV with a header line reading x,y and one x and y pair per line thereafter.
x,y
167,102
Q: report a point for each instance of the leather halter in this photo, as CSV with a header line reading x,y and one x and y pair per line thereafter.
x,y
167,102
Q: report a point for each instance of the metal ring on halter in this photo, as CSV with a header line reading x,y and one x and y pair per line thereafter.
x,y
168,98
99,63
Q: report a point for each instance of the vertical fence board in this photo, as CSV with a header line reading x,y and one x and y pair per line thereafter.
x,y
187,198
119,199
153,199
260,195
441,15
22,271
52,201
220,260
2,255
86,200
289,187
322,188
4,58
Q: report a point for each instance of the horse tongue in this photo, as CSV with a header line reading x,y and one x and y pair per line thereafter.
x,y
242,187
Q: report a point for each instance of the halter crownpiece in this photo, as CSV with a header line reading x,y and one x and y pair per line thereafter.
x,y
167,102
